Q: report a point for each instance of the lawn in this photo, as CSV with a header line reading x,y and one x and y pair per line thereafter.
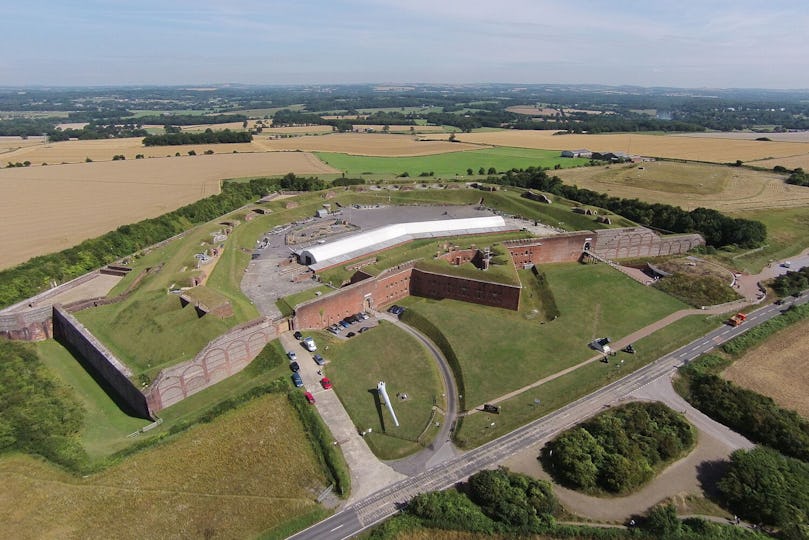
x,y
537,402
500,350
247,472
389,354
450,164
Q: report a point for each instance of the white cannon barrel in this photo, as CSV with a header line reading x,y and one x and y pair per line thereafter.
x,y
380,388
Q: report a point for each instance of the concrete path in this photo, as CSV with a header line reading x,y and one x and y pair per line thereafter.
x,y
368,473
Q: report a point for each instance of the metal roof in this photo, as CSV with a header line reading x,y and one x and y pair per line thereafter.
x,y
356,245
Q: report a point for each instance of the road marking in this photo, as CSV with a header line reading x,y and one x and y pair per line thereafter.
x,y
337,527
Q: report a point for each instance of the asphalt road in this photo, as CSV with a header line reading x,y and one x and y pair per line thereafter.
x,y
391,499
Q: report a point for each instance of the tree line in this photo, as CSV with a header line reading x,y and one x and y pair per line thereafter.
x,y
35,275
793,282
798,178
717,229
208,136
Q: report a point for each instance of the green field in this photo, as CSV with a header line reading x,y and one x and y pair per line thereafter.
x,y
451,163
386,353
251,471
786,237
476,429
501,350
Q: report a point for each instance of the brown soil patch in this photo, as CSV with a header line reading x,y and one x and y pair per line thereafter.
x,y
779,369
691,148
46,209
368,144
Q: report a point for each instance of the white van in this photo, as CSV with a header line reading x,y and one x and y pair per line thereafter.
x,y
309,343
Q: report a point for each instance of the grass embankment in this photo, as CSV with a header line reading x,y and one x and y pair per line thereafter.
x,y
500,351
786,237
476,429
386,353
452,163
250,470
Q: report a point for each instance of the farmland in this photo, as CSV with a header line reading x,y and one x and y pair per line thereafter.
x,y
449,164
777,368
691,185
680,147
371,144
48,208
251,470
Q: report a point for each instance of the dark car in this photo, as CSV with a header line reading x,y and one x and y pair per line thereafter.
x,y
350,334
297,335
319,360
296,378
393,309
344,324
294,366
399,310
363,329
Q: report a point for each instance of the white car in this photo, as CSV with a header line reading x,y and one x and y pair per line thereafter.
x,y
309,343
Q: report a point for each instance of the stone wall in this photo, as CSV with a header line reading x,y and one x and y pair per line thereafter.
x,y
630,242
224,356
110,372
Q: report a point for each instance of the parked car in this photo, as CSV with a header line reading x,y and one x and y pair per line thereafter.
x,y
296,378
297,335
335,329
350,334
294,366
393,309
344,324
319,360
325,383
353,319
309,343
364,316
292,355
363,329
309,397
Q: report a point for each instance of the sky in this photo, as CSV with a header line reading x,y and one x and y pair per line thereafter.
x,y
679,43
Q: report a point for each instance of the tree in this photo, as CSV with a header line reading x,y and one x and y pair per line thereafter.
x,y
662,521
469,171
452,137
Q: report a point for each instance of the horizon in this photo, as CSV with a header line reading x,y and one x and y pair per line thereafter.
x,y
108,43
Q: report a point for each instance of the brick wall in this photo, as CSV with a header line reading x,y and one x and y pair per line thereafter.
x,y
487,293
30,324
629,242
552,249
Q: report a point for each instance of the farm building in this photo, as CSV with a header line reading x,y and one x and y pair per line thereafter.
x,y
323,256
582,152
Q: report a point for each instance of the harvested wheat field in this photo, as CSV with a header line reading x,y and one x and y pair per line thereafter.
x,y
792,162
690,185
791,136
8,145
532,110
691,148
46,209
779,369
368,144
105,149
251,470
400,128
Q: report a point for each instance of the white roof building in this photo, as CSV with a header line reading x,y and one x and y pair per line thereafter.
x,y
351,247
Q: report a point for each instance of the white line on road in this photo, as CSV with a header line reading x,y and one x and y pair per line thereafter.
x,y
337,527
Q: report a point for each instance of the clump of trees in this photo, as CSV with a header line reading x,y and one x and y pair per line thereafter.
x,y
798,178
792,282
618,450
697,290
766,487
208,136
37,414
717,229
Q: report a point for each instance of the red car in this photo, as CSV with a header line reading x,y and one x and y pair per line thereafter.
x,y
309,397
325,383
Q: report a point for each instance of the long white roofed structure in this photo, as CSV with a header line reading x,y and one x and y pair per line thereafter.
x,y
346,249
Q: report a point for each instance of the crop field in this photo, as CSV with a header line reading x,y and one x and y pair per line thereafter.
x,y
532,110
501,350
786,236
370,144
691,148
449,164
790,162
250,470
394,128
46,209
385,353
691,185
778,369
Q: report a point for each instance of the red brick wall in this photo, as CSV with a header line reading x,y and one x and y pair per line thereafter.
x,y
553,249
432,285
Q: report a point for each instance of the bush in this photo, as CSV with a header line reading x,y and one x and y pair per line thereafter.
x,y
450,509
516,500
